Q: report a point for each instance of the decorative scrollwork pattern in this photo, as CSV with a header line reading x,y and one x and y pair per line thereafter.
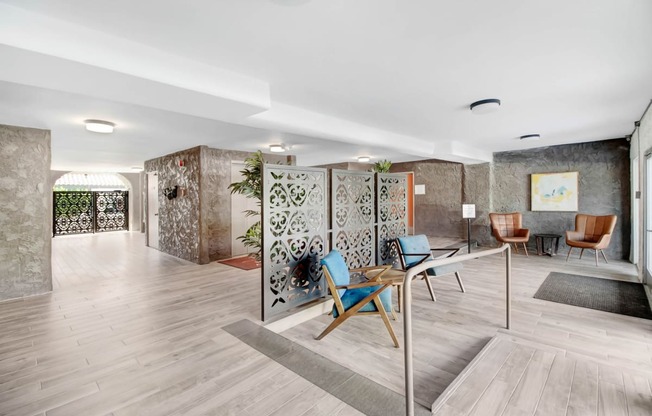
x,y
111,211
78,212
73,212
294,235
352,207
392,213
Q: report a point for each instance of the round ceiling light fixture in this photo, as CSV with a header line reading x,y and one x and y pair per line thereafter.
x,y
99,126
485,106
364,159
530,137
277,148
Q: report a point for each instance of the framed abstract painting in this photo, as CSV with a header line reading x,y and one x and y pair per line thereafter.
x,y
555,191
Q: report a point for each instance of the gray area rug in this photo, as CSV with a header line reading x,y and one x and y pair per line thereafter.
x,y
359,392
625,298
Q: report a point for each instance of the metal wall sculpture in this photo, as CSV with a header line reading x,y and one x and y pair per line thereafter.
x,y
352,211
78,212
391,209
294,237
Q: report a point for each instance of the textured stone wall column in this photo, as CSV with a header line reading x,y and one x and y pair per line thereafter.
x,y
26,213
476,189
439,211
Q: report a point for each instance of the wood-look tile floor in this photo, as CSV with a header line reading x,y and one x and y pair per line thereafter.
x,y
514,376
131,331
449,333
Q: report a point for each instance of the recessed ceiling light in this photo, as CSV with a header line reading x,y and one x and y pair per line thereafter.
x,y
99,126
364,159
277,148
485,106
530,137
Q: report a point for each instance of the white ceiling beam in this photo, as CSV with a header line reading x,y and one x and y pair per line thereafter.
x,y
46,52
45,35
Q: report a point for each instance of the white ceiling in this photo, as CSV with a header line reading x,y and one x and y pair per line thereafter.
x,y
337,78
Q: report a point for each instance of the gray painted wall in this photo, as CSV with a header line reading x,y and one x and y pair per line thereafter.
x,y
25,221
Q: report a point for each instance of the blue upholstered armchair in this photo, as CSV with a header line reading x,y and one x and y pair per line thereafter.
x,y
372,297
415,249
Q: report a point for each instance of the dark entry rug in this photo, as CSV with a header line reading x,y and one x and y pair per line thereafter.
x,y
625,298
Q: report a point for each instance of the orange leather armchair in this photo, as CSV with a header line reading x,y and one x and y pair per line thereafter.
x,y
592,232
508,228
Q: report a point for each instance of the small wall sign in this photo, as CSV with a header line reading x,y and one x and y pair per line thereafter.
x,y
468,210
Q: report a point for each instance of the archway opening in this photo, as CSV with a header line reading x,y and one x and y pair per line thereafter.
x,y
90,203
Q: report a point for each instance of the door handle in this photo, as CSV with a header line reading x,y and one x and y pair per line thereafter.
x,y
156,215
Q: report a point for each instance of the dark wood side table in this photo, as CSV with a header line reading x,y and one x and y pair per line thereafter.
x,y
541,244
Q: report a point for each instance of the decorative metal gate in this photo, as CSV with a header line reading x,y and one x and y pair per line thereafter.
x,y
78,212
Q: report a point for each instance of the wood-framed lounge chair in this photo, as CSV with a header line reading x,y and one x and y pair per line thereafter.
x,y
508,228
372,297
592,232
415,249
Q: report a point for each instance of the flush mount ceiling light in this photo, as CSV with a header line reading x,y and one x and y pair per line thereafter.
x,y
364,159
99,126
277,148
485,106
530,137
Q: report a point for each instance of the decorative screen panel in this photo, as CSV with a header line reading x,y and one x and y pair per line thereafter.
x,y
391,212
73,212
294,236
352,210
111,210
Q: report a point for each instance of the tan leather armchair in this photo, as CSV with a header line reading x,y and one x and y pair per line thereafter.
x,y
508,228
592,232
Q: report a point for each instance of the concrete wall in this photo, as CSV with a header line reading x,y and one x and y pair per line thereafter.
x,y
356,166
197,227
26,215
603,186
439,211
179,218
476,181
504,186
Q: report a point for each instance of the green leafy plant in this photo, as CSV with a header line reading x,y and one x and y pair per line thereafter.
x,y
382,166
251,186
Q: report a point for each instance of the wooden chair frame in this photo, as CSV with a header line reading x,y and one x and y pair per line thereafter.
x,y
576,238
424,275
374,297
521,235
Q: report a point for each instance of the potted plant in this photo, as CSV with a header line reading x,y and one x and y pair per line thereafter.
x,y
382,166
251,186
